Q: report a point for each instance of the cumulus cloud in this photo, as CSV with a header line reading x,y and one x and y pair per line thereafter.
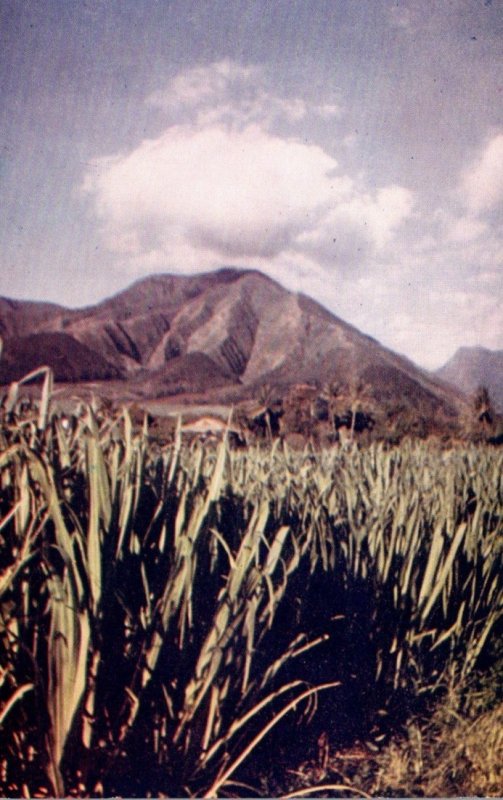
x,y
224,186
357,227
239,194
232,93
201,85
470,222
236,193
424,282
447,279
466,229
482,182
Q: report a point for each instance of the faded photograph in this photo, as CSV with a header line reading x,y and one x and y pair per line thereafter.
x,y
251,398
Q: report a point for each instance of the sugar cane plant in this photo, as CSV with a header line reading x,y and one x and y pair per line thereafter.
x,y
163,611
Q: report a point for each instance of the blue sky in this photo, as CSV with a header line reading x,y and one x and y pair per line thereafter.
x,y
351,149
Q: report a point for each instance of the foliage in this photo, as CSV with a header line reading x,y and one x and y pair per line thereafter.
x,y
457,751
163,610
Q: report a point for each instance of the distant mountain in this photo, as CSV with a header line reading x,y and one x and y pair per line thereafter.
x,y
471,367
228,330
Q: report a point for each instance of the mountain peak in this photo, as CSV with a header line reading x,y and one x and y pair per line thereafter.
x,y
471,367
229,330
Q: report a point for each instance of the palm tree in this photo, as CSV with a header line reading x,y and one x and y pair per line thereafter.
x,y
270,408
482,406
331,392
358,391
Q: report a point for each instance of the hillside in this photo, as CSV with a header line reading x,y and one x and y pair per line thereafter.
x,y
471,367
69,359
20,318
228,330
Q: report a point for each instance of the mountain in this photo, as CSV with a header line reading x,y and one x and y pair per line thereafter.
x,y
226,331
70,359
471,367
20,317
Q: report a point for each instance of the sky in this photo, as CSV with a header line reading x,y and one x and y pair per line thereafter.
x,y
350,149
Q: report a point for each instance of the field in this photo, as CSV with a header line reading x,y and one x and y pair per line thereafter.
x,y
182,620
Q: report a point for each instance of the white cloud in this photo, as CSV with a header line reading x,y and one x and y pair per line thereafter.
x,y
223,185
236,193
382,214
466,229
456,281
452,227
358,227
430,286
228,92
201,85
422,309
482,183
213,193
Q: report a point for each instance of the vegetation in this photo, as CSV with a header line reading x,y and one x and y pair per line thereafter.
x,y
170,615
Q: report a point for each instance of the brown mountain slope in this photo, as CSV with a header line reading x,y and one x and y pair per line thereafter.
x,y
232,328
471,367
19,317
69,359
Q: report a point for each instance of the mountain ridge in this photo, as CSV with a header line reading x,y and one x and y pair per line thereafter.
x,y
471,367
229,329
